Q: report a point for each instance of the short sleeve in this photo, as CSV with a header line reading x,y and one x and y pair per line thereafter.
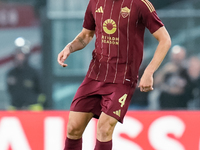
x,y
149,16
89,22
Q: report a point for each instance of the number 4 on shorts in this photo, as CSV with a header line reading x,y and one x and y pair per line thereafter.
x,y
123,99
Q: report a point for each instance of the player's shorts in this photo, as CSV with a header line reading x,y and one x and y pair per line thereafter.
x,y
111,98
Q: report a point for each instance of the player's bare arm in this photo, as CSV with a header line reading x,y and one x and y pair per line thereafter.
x,y
146,82
81,40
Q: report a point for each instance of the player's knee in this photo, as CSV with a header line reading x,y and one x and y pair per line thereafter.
x,y
105,129
103,132
74,131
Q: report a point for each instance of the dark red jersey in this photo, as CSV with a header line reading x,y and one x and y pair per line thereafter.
x,y
119,28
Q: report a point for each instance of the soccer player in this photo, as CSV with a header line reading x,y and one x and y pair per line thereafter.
x,y
106,91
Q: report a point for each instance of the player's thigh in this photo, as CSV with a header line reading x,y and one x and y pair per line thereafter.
x,y
78,121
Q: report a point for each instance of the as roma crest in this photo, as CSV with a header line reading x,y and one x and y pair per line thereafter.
x,y
125,12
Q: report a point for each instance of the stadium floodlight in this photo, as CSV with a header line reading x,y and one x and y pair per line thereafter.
x,y
19,42
23,45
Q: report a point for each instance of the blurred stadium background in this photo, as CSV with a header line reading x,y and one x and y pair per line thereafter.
x,y
50,24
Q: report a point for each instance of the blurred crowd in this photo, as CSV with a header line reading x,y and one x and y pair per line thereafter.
x,y
176,84
23,81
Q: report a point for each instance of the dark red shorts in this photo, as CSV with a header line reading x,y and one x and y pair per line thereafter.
x,y
111,98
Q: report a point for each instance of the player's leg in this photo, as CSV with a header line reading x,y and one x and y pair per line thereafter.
x,y
82,109
105,128
77,123
115,101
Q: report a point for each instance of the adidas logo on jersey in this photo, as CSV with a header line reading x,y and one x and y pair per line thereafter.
x,y
99,10
118,112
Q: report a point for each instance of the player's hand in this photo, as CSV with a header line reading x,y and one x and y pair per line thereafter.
x,y
146,83
63,55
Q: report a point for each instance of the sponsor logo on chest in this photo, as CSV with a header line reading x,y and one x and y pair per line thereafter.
x,y
109,26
